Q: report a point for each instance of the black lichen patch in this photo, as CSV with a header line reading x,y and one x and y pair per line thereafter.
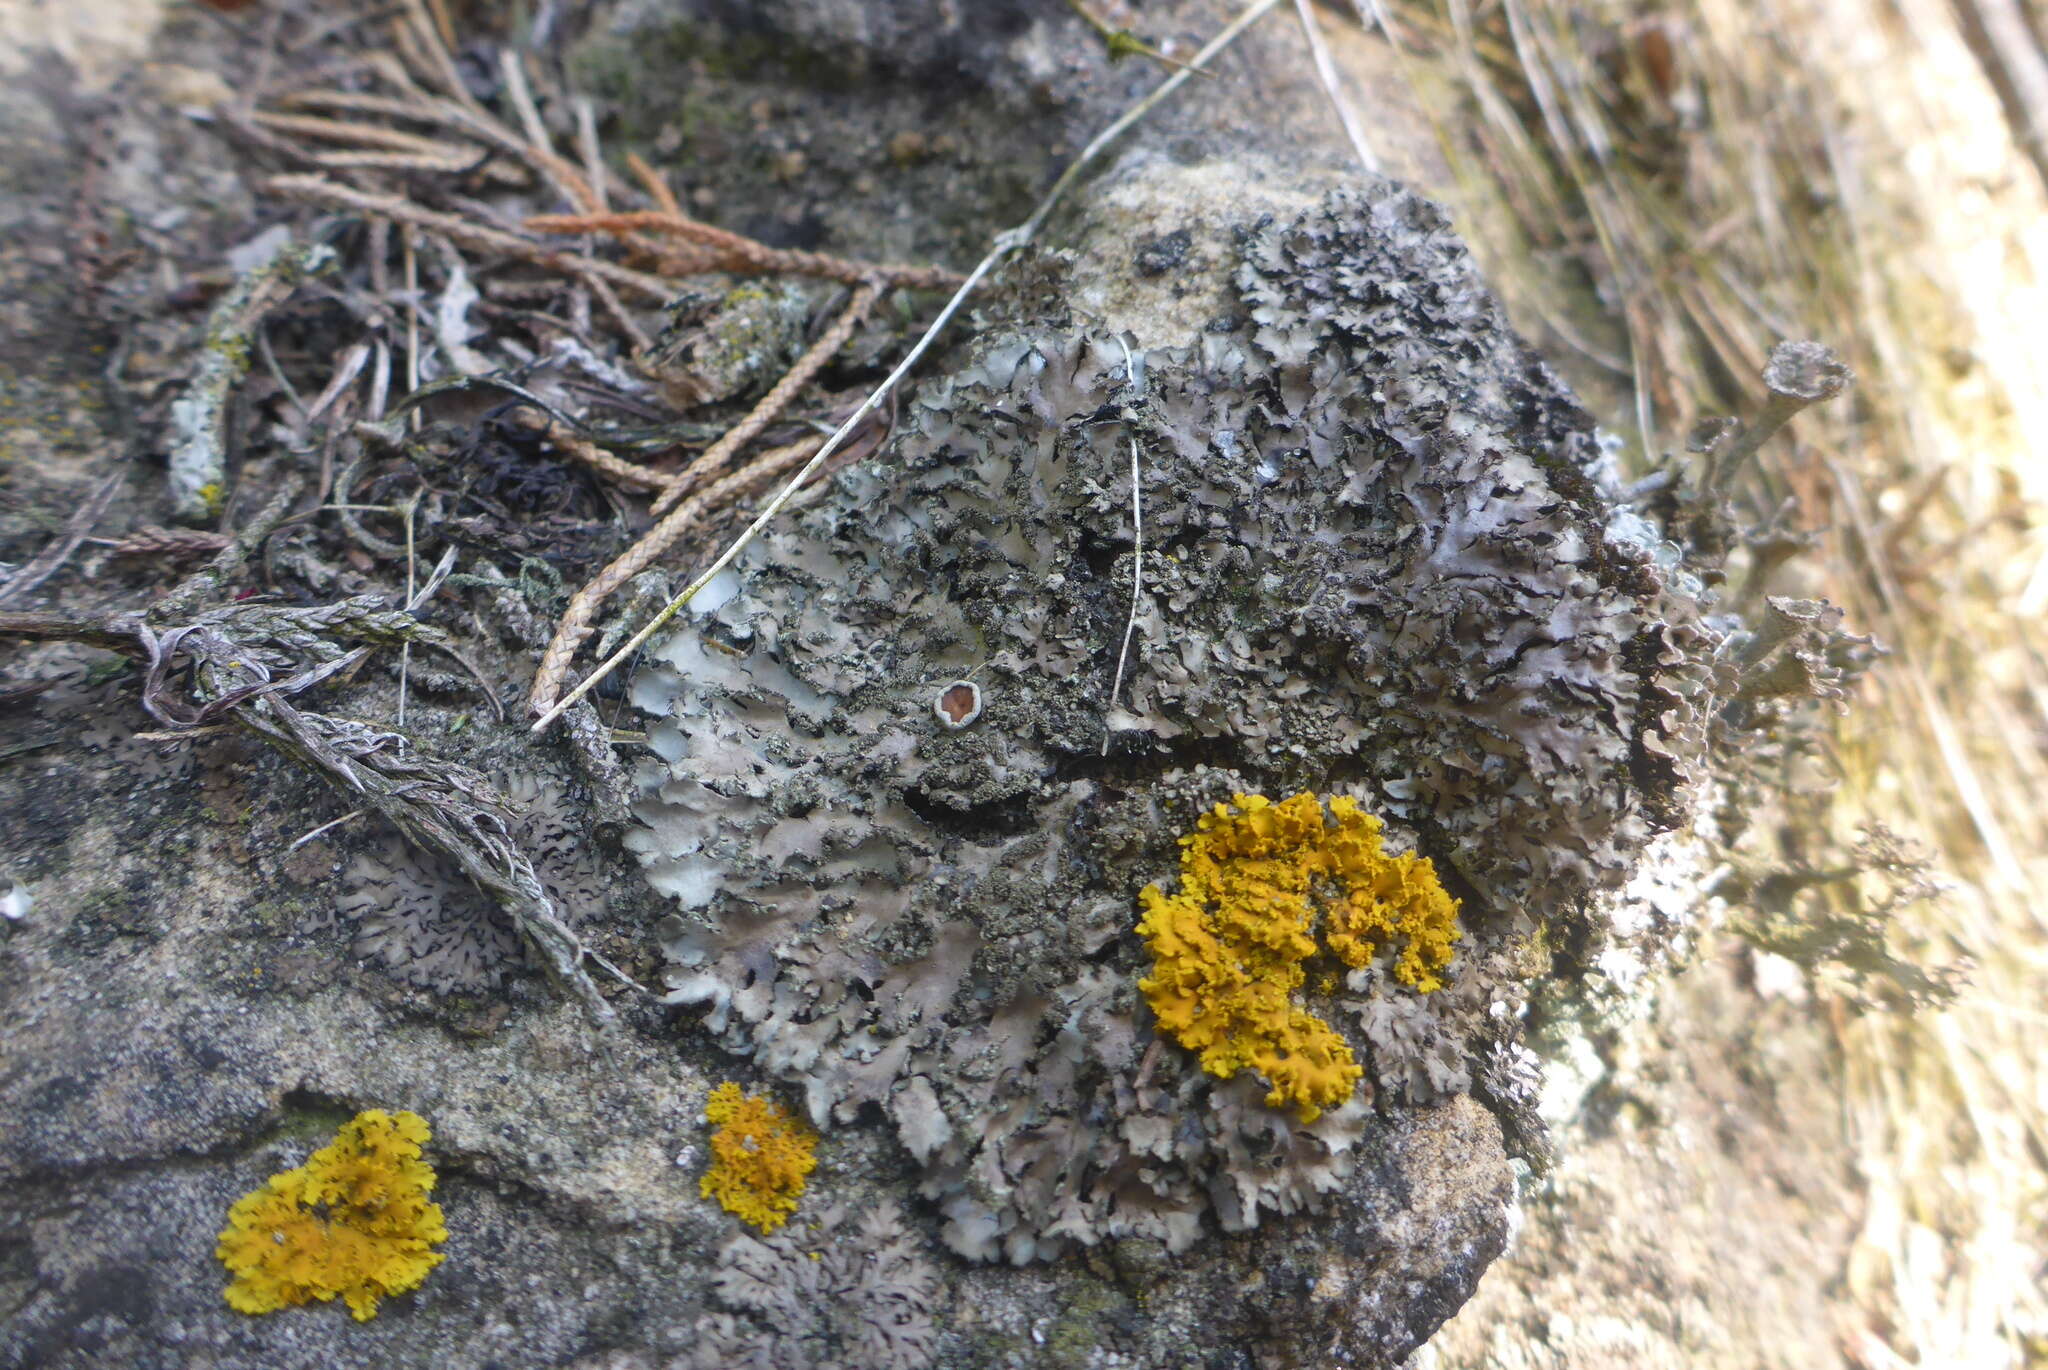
x,y
1380,557
1167,252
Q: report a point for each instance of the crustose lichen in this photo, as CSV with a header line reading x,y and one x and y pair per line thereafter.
x,y
1230,950
759,1157
353,1222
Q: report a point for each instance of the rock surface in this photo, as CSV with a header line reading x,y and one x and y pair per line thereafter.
x,y
184,1013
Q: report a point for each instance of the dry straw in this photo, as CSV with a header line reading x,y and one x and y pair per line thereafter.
x,y
1721,175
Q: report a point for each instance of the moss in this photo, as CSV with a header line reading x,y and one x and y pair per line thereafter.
x,y
1230,950
1082,1329
353,1222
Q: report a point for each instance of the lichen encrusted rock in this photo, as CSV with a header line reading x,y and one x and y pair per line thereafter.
x,y
1381,557
415,913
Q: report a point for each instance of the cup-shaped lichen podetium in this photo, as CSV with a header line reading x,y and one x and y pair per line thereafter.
x,y
353,1222
1264,888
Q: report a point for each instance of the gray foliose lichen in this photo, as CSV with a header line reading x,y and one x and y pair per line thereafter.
x,y
1381,556
845,1290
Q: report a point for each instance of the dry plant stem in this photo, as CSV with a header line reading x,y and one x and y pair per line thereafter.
x,y
586,194
39,625
409,252
512,73
593,159
428,41
322,129
417,163
774,402
328,826
411,590
444,27
425,109
392,71
657,189
76,528
555,665
615,309
665,200
1116,685
577,618
567,180
738,253
153,541
590,454
380,377
576,622
429,109
1326,72
463,233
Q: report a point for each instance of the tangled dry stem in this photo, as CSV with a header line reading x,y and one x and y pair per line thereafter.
x,y
744,255
776,400
667,237
244,660
577,620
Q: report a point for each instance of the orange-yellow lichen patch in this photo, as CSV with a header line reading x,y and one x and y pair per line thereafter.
x,y
1229,951
759,1157
353,1222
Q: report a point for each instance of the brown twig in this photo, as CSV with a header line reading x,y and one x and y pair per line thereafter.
x,y
776,400
465,233
590,454
656,187
44,626
743,255
568,181
613,306
408,163
427,49
168,543
423,109
321,129
576,624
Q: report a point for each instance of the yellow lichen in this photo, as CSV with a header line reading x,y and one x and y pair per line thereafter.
x,y
759,1157
353,1222
1229,951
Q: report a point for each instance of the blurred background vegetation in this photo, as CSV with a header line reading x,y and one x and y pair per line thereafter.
x,y
1702,178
